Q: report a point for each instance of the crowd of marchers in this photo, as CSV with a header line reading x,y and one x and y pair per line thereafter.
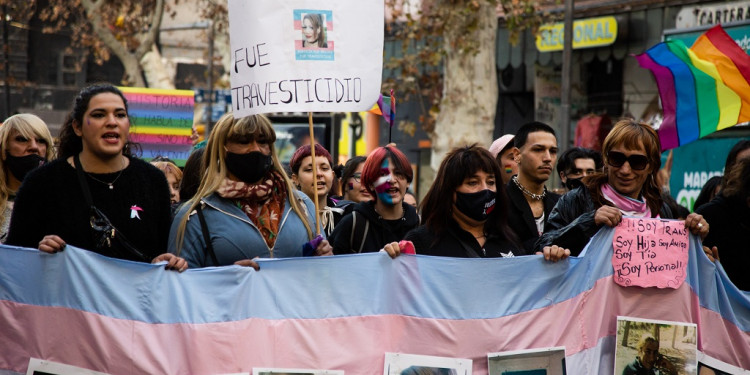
x,y
235,202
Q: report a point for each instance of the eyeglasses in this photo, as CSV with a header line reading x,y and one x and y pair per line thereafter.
x,y
618,159
357,177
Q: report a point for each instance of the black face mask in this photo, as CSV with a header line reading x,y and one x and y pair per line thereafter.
x,y
477,206
20,166
572,183
250,167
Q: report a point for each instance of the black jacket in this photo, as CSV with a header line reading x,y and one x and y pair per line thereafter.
x,y
729,231
377,234
458,243
571,223
521,219
51,201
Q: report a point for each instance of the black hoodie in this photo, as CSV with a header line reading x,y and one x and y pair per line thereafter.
x,y
377,232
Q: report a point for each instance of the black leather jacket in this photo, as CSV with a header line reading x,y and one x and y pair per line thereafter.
x,y
571,223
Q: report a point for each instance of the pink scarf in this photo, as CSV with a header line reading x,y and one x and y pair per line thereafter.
x,y
628,206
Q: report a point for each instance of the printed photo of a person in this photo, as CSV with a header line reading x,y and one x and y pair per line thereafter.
x,y
655,347
648,360
423,370
313,31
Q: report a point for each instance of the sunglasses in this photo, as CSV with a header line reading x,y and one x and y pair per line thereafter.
x,y
618,159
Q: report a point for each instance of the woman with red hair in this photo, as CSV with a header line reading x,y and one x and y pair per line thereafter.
x,y
386,219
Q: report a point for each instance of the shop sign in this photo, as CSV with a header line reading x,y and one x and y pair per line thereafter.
x,y
587,33
740,34
707,15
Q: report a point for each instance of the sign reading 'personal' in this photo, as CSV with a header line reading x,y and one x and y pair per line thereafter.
x,y
650,253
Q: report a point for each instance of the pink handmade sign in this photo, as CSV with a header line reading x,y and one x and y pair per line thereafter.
x,y
650,253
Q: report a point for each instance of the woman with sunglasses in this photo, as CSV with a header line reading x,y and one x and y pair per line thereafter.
x,y
631,154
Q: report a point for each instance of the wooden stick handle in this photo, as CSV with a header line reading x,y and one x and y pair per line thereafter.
x,y
315,173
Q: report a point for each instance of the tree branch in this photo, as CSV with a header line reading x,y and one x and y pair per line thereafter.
x,y
120,50
155,25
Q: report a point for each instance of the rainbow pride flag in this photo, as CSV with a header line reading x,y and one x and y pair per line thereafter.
x,y
703,88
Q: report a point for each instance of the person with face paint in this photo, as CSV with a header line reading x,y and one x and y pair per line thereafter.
x,y
351,181
25,144
387,218
95,188
506,153
246,206
465,211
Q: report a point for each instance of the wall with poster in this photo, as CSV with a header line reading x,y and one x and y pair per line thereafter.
x,y
161,121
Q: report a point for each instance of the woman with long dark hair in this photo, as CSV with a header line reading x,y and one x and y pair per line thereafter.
x,y
465,211
96,195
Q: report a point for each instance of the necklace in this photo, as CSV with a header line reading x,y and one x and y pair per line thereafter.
x,y
109,184
536,197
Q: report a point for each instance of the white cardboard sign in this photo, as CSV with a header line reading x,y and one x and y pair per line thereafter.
x,y
305,55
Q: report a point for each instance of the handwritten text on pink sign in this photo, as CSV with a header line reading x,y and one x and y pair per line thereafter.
x,y
650,253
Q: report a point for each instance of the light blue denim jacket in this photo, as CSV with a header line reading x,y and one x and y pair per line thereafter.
x,y
234,237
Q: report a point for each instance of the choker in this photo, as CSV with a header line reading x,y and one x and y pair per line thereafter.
x,y
536,197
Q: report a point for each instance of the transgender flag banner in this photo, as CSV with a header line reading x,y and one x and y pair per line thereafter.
x,y
346,312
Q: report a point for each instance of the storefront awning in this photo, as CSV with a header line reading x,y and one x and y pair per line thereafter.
x,y
638,30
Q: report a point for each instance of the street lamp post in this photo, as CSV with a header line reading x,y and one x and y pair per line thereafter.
x,y
6,58
567,70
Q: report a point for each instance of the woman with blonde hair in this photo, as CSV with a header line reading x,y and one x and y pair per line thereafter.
x,y
25,144
246,205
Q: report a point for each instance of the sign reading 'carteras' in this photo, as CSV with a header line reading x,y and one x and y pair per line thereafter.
x,y
650,253
305,56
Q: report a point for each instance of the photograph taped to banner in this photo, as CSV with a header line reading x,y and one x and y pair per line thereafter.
x,y
546,361
39,366
305,56
413,364
315,26
658,346
286,371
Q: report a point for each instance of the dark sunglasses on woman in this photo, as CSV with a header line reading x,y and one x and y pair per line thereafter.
x,y
618,159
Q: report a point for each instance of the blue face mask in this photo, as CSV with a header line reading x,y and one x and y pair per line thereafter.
x,y
476,206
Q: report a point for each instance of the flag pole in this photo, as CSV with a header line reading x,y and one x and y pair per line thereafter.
x,y
314,172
